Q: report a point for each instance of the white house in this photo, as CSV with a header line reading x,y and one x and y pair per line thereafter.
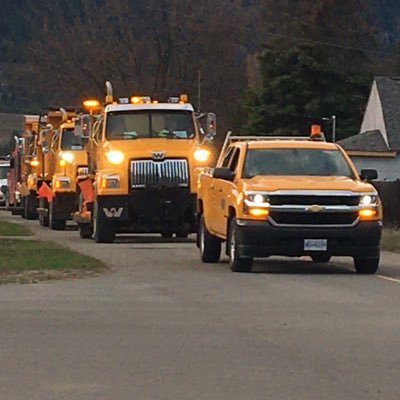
x,y
377,145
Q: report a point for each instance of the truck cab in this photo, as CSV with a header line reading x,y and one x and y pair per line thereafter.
x,y
145,156
67,165
288,197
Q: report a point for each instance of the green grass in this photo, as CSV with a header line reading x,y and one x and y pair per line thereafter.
x,y
391,240
27,261
11,229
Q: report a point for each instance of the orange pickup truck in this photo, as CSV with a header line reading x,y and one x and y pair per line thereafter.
x,y
297,196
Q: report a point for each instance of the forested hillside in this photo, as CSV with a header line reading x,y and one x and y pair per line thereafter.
x,y
60,51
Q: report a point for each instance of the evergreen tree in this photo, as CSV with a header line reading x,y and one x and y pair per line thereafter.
x,y
300,87
318,67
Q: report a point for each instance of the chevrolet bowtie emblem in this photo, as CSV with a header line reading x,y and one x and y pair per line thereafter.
x,y
315,208
159,155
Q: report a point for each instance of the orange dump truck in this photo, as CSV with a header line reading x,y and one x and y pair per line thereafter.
x,y
144,157
64,165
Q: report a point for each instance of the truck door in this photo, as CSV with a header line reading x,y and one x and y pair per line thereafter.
x,y
223,192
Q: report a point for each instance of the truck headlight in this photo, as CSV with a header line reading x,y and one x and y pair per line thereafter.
x,y
67,156
202,155
115,156
257,200
256,204
369,200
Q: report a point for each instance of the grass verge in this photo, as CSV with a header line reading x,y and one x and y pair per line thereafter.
x,y
11,229
31,261
391,240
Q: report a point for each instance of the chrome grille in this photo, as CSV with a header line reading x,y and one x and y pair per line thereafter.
x,y
314,208
149,173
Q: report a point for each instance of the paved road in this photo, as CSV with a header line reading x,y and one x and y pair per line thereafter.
x,y
163,326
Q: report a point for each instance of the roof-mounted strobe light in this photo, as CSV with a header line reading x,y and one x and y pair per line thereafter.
x,y
183,99
91,104
316,133
136,100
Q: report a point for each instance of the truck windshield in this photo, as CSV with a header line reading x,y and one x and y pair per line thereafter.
x,y
297,161
3,172
71,141
150,124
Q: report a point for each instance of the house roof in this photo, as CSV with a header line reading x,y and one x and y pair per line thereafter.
x,y
389,94
380,130
365,141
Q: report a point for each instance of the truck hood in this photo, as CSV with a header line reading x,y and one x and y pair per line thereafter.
x,y
329,183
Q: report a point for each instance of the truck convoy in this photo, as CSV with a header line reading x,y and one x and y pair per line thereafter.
x,y
288,197
137,165
144,158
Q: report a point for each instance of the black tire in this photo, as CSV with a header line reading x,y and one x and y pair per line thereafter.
x,y
368,265
237,264
44,220
55,223
321,258
166,235
209,245
30,206
103,231
85,231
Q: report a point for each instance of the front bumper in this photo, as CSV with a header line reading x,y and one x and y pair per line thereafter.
x,y
261,239
150,210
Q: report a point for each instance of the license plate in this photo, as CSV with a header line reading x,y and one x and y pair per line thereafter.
x,y
315,244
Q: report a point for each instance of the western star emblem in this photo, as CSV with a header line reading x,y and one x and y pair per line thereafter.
x,y
113,212
159,155
315,208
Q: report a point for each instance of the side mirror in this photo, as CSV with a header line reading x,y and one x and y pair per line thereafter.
x,y
224,173
211,127
208,124
368,174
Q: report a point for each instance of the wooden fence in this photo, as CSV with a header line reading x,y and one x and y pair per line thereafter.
x,y
389,193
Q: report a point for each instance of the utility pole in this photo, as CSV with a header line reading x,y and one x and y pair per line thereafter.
x,y
333,119
333,128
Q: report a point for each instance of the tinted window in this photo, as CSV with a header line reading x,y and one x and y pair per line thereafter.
x,y
296,162
71,141
150,124
4,172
